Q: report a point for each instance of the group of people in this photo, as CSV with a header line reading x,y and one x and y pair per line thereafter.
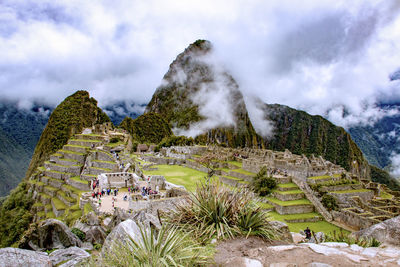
x,y
148,191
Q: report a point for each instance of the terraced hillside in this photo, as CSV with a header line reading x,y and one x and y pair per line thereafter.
x,y
58,185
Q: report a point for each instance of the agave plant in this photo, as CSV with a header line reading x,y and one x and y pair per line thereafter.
x,y
166,247
216,211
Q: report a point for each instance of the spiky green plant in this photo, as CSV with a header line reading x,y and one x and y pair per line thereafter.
x,y
215,211
340,236
166,247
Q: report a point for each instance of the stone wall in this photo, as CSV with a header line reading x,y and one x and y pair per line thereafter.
x,y
353,219
293,209
196,166
344,198
152,206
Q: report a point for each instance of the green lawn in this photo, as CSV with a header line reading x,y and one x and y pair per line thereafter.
x,y
179,175
321,226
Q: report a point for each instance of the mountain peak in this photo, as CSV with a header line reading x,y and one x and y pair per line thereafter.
x,y
76,112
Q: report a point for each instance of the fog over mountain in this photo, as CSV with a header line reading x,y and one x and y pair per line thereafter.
x,y
338,59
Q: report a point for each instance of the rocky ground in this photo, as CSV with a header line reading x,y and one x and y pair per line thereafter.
x,y
254,252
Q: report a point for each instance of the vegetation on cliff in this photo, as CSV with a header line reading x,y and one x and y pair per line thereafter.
x,y
303,133
15,215
147,128
70,117
383,177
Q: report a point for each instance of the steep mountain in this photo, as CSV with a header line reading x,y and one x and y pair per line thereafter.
x,y
147,128
184,100
71,116
20,130
303,133
193,81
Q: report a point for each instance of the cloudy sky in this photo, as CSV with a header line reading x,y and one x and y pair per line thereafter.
x,y
332,58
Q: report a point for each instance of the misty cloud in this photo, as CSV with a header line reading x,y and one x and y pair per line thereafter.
x,y
331,58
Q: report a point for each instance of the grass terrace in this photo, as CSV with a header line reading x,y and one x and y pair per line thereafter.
x,y
71,152
86,140
297,191
324,177
350,191
77,179
289,185
289,202
179,175
236,163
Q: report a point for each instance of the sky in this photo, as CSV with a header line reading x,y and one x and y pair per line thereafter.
x,y
332,58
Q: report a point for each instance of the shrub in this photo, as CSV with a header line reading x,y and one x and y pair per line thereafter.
x,y
329,202
349,239
81,235
218,212
262,183
97,246
168,247
114,140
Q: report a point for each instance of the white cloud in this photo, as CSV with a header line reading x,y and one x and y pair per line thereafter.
x,y
328,57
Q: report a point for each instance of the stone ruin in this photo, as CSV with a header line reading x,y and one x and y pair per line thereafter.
x,y
117,179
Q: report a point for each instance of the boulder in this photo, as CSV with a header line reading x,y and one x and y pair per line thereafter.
x,y
92,219
387,232
318,238
107,222
16,257
122,233
147,219
283,230
50,234
68,257
176,192
243,262
95,234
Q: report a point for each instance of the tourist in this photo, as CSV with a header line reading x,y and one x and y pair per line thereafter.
x,y
115,192
99,202
93,195
308,233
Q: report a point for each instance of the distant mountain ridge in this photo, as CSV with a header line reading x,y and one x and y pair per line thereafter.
x,y
20,129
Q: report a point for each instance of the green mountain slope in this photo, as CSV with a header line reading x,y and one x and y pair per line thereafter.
x,y
303,133
71,116
147,128
187,81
